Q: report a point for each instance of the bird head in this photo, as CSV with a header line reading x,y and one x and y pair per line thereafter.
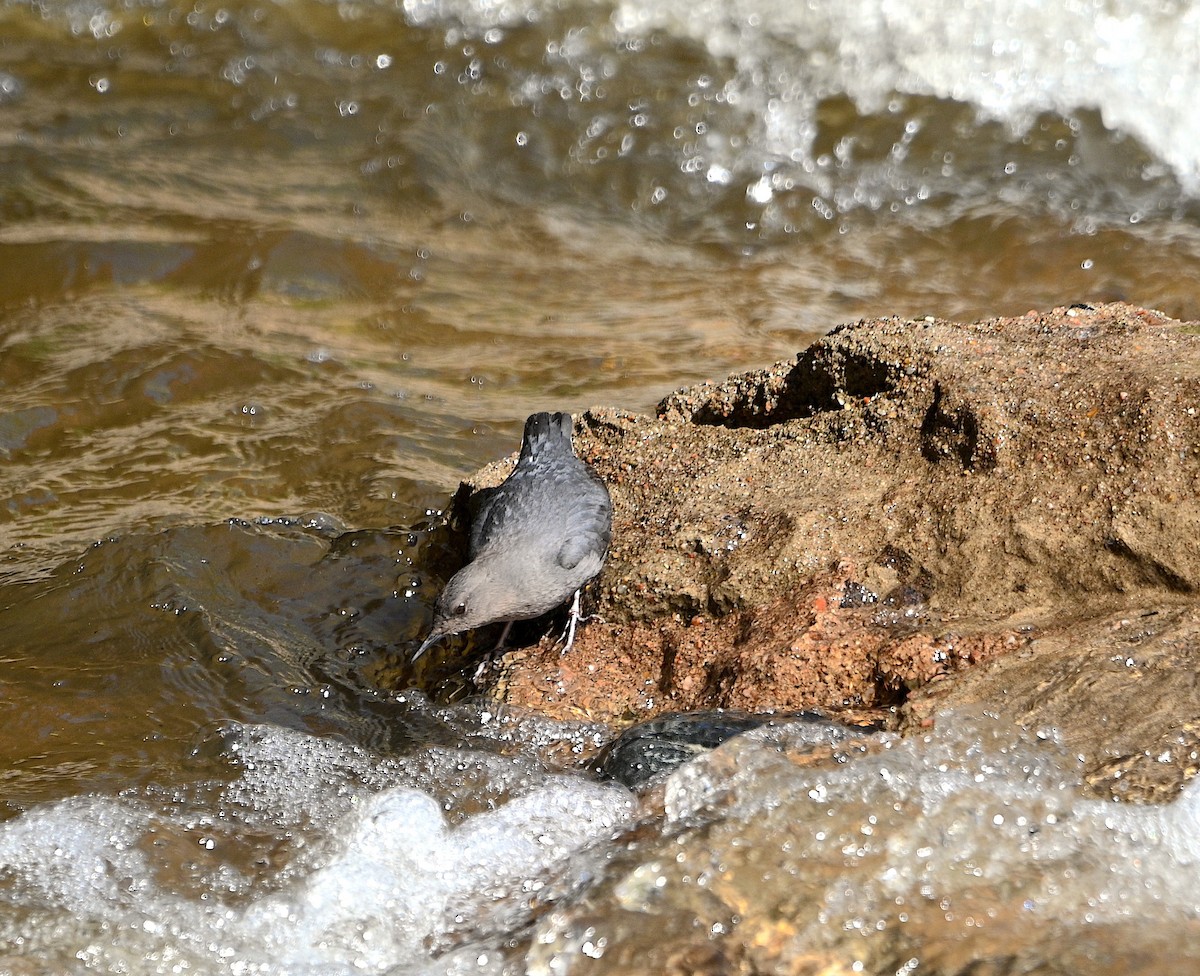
x,y
474,597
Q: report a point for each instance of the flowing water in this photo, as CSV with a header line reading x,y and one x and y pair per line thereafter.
x,y
274,275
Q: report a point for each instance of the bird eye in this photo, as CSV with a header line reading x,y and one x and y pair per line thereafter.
x,y
460,609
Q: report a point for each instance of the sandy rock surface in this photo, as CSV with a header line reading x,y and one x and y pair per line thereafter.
x,y
909,516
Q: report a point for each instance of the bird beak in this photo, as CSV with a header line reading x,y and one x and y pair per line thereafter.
x,y
428,643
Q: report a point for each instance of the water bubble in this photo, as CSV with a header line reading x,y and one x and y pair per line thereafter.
x,y
719,174
10,87
761,191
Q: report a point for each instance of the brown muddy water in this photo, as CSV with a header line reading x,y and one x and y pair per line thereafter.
x,y
274,276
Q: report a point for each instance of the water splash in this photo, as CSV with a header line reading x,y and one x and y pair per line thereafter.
x,y
308,863
1133,62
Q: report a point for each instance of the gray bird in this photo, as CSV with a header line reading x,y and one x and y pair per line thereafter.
x,y
535,540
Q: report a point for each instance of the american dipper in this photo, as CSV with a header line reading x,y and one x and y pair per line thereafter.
x,y
536,539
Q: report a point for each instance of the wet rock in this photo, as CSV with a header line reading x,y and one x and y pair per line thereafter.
x,y
982,537
661,745
964,849
805,649
1121,690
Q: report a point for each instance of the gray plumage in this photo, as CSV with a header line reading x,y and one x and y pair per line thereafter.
x,y
535,540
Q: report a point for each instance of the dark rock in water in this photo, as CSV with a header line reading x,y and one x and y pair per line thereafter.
x,y
665,743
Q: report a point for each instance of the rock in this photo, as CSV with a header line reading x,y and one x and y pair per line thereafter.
x,y
1121,690
861,527
651,749
1010,464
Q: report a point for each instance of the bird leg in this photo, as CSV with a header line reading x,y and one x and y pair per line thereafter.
x,y
503,637
494,653
572,620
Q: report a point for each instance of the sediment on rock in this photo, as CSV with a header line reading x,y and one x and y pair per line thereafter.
x,y
1011,464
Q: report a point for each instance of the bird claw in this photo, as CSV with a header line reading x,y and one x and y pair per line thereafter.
x,y
481,667
493,655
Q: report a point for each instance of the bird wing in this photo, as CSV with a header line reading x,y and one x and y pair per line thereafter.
x,y
551,503
481,520
503,513
498,510
587,524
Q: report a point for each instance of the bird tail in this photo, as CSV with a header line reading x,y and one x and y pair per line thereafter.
x,y
547,431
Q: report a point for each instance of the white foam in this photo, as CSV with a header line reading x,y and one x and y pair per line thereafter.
x,y
429,863
380,875
1134,62
79,853
476,14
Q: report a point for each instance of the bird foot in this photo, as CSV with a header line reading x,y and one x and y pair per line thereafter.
x,y
574,618
493,655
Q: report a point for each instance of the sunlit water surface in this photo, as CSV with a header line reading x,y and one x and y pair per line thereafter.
x,y
274,275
